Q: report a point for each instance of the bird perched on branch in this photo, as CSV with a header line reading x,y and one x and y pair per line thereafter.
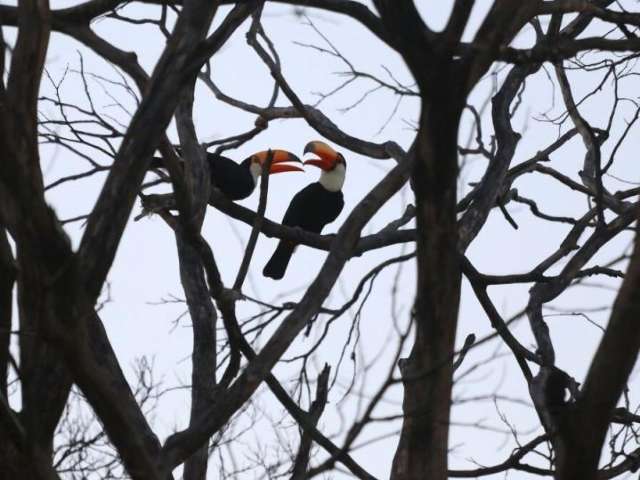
x,y
238,180
314,206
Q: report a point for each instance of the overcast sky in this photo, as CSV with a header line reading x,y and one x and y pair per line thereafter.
x,y
146,270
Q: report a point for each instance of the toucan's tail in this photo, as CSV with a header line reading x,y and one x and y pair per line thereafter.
x,y
277,264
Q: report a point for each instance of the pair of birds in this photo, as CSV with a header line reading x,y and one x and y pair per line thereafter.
x,y
312,208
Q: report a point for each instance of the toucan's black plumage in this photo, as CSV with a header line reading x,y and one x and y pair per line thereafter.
x,y
313,207
238,180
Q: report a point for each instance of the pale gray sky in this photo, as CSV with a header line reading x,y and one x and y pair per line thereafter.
x,y
146,270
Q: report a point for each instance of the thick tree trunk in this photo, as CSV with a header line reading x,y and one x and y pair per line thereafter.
x,y
579,443
10,460
45,379
41,251
203,317
578,450
12,463
7,279
427,373
203,313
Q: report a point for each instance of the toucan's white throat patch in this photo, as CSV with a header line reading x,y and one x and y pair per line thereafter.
x,y
256,171
333,180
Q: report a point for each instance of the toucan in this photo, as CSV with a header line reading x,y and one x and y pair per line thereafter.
x,y
238,180
314,206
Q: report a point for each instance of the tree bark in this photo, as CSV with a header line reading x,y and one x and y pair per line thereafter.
x,y
7,279
427,372
10,460
203,316
579,443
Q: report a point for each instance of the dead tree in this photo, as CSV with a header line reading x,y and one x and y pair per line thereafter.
x,y
585,427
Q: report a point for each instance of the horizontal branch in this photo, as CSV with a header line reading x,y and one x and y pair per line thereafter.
x,y
562,49
385,237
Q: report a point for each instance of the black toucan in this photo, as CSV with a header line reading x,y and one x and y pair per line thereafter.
x,y
312,207
238,180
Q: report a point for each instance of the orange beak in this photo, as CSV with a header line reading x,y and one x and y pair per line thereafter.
x,y
278,164
328,156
